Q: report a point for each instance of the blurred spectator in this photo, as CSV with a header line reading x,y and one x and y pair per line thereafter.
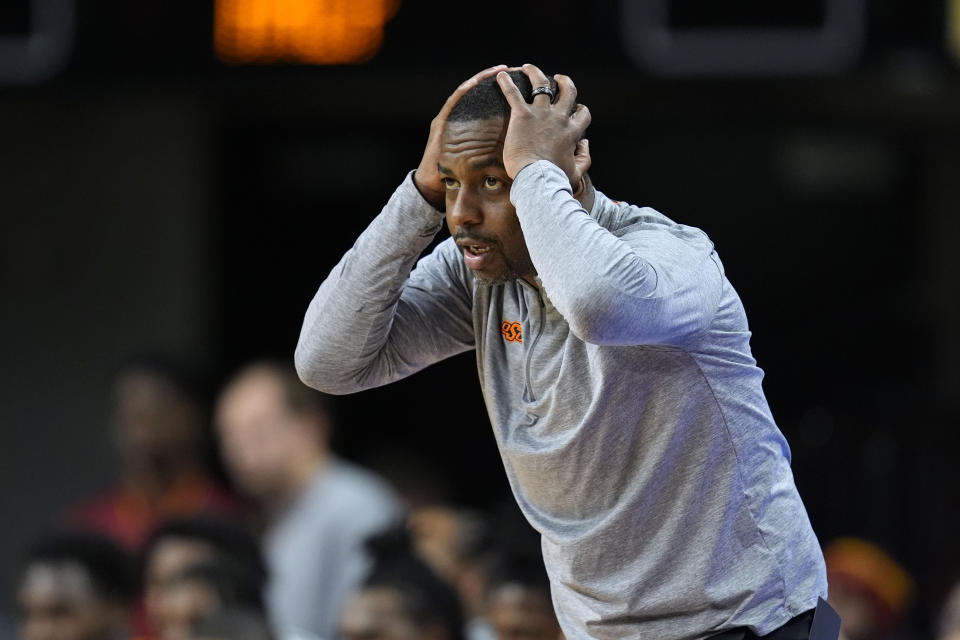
x,y
233,624
457,544
870,591
203,590
949,627
76,586
158,423
178,545
402,598
519,605
274,435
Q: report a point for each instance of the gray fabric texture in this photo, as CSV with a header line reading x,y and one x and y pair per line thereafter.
x,y
631,419
315,551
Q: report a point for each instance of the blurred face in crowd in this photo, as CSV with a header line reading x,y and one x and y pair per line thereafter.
x,y
261,438
518,613
168,559
379,614
58,601
861,619
157,428
436,533
181,605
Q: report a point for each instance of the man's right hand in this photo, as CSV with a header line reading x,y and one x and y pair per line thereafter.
x,y
428,180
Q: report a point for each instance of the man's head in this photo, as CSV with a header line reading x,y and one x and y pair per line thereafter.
x,y
273,430
202,590
401,598
455,543
158,416
75,587
870,590
480,216
181,543
519,606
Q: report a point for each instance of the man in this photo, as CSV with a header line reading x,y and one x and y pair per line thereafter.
x,y
274,437
870,590
76,586
178,546
203,590
457,544
615,364
159,422
518,599
401,598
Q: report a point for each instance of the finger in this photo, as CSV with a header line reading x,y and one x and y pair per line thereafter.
x,y
537,79
468,84
510,91
581,118
566,92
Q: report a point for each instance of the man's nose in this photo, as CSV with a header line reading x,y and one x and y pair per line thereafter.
x,y
465,210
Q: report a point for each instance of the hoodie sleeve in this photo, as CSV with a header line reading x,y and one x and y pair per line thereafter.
x,y
644,284
373,321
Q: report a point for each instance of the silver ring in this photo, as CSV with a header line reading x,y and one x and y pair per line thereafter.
x,y
537,91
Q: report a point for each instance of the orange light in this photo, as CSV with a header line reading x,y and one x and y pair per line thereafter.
x,y
305,31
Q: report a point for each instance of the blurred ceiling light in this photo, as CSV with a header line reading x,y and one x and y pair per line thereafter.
x,y
300,31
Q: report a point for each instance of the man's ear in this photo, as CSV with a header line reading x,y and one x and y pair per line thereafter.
x,y
581,157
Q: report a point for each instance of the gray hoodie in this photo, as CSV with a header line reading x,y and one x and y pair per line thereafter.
x,y
623,396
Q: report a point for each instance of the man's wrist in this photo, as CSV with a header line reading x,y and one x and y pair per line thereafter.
x,y
435,199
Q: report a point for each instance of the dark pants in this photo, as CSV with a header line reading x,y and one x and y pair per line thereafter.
x,y
796,629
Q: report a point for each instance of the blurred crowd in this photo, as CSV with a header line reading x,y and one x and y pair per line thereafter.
x,y
298,543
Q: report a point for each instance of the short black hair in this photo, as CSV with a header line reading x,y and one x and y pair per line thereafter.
x,y
110,568
187,380
236,584
229,538
519,565
428,599
486,100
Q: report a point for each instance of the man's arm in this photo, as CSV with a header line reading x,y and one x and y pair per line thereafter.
x,y
655,285
372,321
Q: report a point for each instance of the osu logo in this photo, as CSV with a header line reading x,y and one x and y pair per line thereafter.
x,y
512,331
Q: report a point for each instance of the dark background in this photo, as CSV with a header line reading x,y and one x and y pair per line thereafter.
x,y
154,197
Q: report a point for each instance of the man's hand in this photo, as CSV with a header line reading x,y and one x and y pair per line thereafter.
x,y
427,178
545,130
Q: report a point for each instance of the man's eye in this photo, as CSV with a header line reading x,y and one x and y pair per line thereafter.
x,y
491,182
450,184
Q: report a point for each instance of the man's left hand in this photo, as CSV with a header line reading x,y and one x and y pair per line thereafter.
x,y
545,129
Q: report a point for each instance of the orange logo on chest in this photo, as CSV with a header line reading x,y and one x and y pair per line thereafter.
x,y
512,331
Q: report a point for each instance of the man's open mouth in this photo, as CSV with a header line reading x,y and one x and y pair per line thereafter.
x,y
475,253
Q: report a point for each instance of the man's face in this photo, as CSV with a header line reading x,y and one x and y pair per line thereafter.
x,y
480,216
58,602
181,606
376,614
168,559
155,425
259,434
519,613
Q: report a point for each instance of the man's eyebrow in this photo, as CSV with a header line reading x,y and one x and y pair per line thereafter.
x,y
443,169
487,162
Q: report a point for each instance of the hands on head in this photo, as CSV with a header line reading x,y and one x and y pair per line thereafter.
x,y
544,130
